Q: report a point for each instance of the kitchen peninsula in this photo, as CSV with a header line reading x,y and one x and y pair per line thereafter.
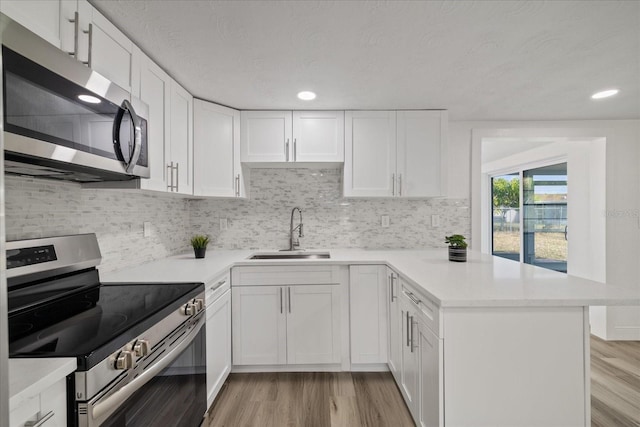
x,y
477,342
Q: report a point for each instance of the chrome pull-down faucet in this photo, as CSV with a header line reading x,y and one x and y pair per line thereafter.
x,y
294,243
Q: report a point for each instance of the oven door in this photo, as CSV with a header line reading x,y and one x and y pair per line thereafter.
x,y
169,392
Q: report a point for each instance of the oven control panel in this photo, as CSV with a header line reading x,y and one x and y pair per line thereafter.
x,y
29,256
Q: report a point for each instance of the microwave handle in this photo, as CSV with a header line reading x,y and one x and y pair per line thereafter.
x,y
137,138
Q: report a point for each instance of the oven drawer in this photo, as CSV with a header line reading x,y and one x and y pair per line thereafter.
x,y
49,408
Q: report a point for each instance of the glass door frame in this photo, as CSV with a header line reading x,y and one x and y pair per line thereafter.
x,y
519,169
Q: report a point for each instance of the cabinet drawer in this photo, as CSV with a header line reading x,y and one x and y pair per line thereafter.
x,y
426,309
285,275
49,407
215,288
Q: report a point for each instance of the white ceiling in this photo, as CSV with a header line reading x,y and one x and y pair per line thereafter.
x,y
481,60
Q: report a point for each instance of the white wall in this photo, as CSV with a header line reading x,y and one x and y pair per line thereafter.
x,y
622,194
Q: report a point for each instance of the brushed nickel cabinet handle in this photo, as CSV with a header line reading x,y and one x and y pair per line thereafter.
x,y
76,27
238,185
281,309
170,176
295,150
90,49
393,184
408,326
289,292
393,282
177,176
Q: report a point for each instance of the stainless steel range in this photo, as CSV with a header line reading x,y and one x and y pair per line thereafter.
x,y
140,347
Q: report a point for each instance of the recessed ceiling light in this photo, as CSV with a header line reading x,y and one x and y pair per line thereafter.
x,y
306,95
89,99
604,94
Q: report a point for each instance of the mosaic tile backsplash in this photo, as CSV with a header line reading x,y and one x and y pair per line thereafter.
x,y
40,208
262,222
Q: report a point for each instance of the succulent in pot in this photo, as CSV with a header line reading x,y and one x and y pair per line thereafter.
x,y
199,243
457,247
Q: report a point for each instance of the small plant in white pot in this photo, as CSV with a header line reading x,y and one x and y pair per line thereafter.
x,y
457,247
199,243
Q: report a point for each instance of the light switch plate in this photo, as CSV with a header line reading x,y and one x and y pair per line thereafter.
x,y
435,220
224,224
384,221
146,229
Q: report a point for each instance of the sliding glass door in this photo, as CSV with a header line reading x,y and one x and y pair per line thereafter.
x,y
545,217
529,221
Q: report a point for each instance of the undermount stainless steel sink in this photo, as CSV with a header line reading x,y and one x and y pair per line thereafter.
x,y
291,255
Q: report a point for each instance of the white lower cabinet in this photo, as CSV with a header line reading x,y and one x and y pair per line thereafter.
x,y
368,313
47,409
409,360
286,325
218,336
394,325
430,376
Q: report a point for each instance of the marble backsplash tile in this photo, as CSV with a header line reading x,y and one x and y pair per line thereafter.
x,y
329,220
40,208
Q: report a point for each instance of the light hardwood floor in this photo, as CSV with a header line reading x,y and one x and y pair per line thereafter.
x,y
336,399
615,383
351,399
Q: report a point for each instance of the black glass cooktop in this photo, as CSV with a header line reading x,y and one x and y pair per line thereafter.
x,y
92,323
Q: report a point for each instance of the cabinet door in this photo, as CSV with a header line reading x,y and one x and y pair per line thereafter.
x,y
259,325
41,17
155,91
368,313
181,144
266,136
313,324
370,154
430,377
218,344
409,384
216,150
109,50
421,152
395,325
318,136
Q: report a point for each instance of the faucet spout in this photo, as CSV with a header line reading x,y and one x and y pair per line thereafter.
x,y
294,242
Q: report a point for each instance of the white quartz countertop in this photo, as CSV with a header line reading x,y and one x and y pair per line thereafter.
x,y
482,281
30,377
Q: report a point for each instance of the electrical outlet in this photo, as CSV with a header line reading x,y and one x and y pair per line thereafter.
x,y
435,220
384,221
224,224
146,229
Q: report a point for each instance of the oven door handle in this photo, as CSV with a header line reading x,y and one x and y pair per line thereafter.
x,y
137,136
100,411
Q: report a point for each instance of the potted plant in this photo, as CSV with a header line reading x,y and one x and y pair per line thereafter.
x,y
199,243
457,247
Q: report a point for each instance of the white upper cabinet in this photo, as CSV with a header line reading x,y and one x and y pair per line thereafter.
x,y
421,151
154,88
318,136
180,158
265,136
216,151
109,51
285,136
370,153
395,154
44,17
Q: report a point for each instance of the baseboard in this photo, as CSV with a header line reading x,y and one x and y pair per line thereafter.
x,y
370,367
337,367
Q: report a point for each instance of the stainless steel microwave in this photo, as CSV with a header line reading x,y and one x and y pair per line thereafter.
x,y
63,120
